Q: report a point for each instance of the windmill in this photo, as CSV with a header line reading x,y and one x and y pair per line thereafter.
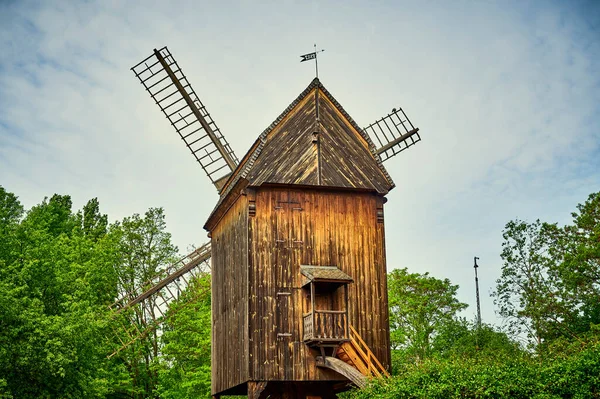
x,y
299,294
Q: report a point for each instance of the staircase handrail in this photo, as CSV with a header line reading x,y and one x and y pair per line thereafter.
x,y
369,358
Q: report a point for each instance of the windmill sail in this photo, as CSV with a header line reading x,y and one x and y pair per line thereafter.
x,y
141,311
162,77
394,133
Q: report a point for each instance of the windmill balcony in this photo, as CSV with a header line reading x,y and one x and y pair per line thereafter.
x,y
326,326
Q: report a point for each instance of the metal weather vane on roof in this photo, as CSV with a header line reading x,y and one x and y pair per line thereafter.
x,y
313,56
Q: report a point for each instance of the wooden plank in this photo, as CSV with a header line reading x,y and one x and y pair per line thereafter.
x,y
346,159
344,369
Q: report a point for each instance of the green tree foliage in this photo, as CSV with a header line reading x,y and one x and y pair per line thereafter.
x,y
577,250
50,310
575,374
550,281
525,292
460,338
419,306
11,212
184,370
59,272
91,222
145,248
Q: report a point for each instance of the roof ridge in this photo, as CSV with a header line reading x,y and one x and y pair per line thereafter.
x,y
247,162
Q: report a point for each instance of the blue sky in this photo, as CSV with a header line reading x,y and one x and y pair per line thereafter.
x,y
506,94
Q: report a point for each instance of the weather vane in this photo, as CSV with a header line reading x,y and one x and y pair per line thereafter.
x,y
312,56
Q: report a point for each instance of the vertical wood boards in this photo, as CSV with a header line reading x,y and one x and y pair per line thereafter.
x,y
258,298
230,298
295,227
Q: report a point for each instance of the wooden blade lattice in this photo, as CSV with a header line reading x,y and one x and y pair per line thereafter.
x,y
162,77
394,133
140,312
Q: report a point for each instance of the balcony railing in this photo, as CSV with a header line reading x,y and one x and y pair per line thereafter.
x,y
326,325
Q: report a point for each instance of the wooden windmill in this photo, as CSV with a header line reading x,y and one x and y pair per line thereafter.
x,y
299,295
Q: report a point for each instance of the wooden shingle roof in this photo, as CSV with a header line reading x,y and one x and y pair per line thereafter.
x,y
289,152
324,274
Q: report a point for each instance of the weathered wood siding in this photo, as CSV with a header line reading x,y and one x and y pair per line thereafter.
x,y
289,156
346,160
230,298
312,227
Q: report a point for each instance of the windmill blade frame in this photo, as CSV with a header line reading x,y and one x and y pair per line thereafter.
x,y
170,89
140,303
394,133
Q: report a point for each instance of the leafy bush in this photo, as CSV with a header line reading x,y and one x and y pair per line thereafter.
x,y
575,374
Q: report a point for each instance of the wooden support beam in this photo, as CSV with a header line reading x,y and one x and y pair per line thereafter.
x,y
400,139
256,389
355,358
344,369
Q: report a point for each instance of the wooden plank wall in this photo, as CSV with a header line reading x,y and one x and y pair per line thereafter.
x,y
294,227
230,298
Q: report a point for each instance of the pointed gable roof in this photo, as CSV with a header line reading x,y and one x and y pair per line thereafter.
x,y
287,152
288,155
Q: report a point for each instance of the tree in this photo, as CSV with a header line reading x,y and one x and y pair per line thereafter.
x,y
577,250
50,313
550,281
91,222
184,370
525,294
419,306
59,271
145,248
11,212
460,338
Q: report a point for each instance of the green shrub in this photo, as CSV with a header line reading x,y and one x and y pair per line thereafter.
x,y
574,375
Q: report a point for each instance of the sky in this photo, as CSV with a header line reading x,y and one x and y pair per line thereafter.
x,y
506,95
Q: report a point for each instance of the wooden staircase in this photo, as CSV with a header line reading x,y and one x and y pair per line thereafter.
x,y
353,355
356,353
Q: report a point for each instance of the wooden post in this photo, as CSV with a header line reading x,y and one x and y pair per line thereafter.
x,y
312,307
347,321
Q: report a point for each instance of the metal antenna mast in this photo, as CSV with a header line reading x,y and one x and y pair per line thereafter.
x,y
477,293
